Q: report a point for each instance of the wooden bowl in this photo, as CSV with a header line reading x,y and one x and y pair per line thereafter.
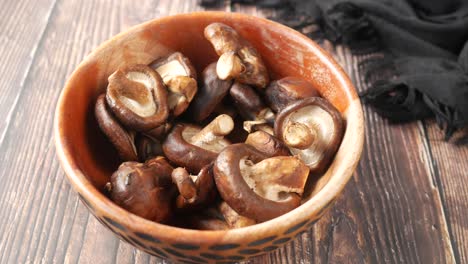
x,y
89,160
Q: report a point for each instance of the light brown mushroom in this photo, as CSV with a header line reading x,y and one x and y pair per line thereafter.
x,y
144,189
238,58
122,139
313,129
180,77
229,66
137,97
256,186
193,147
282,92
267,144
196,191
210,94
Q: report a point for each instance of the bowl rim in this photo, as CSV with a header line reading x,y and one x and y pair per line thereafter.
x,y
317,202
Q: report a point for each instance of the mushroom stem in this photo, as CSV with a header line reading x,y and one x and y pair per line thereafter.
x,y
219,127
229,66
183,85
267,115
267,144
298,135
258,125
184,183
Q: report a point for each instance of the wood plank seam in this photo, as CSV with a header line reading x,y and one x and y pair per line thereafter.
x,y
12,233
26,74
437,183
438,197
25,80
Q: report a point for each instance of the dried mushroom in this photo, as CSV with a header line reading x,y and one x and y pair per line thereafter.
x,y
267,144
123,140
256,186
251,107
210,94
192,147
137,97
238,58
313,129
284,91
287,129
195,191
249,104
180,77
144,189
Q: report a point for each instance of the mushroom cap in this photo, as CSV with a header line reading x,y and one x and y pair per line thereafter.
x,y
122,140
210,93
231,181
137,97
326,123
223,38
282,92
144,189
255,72
247,102
179,150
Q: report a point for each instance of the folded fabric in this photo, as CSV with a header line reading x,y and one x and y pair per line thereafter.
x,y
423,44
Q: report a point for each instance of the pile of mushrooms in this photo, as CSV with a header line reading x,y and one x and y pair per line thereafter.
x,y
173,131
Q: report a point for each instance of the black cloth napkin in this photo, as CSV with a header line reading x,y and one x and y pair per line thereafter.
x,y
423,44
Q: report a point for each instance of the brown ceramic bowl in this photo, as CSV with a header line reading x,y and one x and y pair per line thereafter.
x,y
89,160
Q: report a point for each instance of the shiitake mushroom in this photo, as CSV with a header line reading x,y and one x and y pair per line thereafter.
x,y
144,189
154,189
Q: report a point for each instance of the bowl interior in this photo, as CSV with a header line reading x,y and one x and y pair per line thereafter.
x,y
284,52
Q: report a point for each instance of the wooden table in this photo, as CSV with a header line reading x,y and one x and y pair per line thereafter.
x,y
407,201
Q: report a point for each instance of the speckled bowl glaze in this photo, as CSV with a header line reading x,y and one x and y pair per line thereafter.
x,y
89,160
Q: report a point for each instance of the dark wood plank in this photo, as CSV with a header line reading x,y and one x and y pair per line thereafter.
x,y
22,25
391,211
40,217
39,212
450,162
392,203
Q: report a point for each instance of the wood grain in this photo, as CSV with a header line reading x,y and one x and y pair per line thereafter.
x,y
405,204
22,25
450,164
